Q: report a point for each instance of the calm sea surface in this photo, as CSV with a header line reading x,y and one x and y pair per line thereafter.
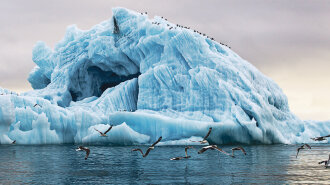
x,y
61,164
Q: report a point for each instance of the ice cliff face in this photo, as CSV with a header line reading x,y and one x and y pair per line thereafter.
x,y
173,81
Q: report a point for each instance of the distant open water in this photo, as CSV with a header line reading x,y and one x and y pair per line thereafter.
x,y
61,164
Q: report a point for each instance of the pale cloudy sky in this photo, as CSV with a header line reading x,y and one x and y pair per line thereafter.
x,y
289,41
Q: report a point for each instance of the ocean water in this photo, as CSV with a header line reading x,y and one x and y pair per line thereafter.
x,y
61,164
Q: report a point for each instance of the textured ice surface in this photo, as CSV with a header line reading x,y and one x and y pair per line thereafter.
x,y
172,81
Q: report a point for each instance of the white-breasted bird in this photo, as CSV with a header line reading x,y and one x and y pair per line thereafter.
x,y
87,150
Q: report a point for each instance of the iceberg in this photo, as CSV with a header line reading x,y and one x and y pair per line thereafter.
x,y
149,78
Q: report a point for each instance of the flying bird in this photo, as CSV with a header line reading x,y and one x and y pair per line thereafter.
x,y
238,148
14,142
87,150
212,147
185,157
37,105
326,162
150,148
105,133
204,139
303,147
320,138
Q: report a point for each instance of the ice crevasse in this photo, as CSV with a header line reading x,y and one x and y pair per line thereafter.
x,y
148,78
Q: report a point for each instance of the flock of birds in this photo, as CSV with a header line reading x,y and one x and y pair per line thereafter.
x,y
307,146
204,141
146,153
203,149
11,93
170,27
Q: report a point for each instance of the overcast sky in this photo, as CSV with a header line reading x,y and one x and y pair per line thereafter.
x,y
289,41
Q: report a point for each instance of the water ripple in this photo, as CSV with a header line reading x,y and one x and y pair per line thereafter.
x,y
61,164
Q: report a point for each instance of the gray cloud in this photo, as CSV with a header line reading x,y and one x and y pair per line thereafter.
x,y
289,41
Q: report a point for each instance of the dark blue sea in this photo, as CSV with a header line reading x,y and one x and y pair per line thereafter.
x,y
61,164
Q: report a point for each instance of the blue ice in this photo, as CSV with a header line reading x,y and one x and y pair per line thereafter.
x,y
148,81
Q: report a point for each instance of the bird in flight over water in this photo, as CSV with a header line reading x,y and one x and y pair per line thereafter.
x,y
212,147
204,139
87,150
105,133
150,148
322,138
326,162
238,148
304,146
185,157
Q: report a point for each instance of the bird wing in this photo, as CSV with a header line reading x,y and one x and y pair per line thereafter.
x,y
219,149
322,162
203,149
207,135
327,136
87,152
298,149
307,146
98,131
186,150
176,158
35,105
160,138
242,149
138,149
147,152
108,130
